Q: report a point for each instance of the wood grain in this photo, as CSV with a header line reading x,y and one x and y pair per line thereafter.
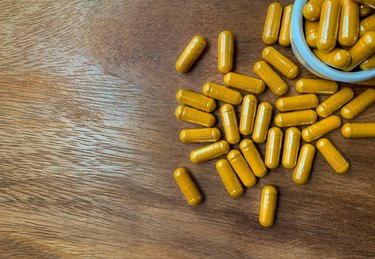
x,y
89,141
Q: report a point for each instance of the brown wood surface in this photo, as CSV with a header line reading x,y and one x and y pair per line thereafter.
x,y
89,141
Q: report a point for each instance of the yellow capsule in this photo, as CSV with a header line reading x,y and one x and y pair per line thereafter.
x,y
248,111
246,83
267,206
192,115
196,100
283,64
225,48
364,11
229,121
358,104
187,186
222,93
271,78
296,118
328,25
311,10
302,171
367,24
368,63
316,86
337,58
358,130
362,50
253,158
209,152
190,54
291,147
321,128
311,33
262,122
273,147
200,135
241,168
272,23
298,102
369,3
334,102
229,178
332,155
284,37
349,23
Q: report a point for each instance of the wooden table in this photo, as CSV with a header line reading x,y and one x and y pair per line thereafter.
x,y
89,141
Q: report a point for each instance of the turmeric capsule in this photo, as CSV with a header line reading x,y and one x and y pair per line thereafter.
x,y
349,23
200,135
334,158
242,169
190,54
246,83
248,111
302,171
196,100
225,48
328,25
291,147
195,116
311,33
283,64
268,206
365,10
209,152
334,102
316,86
358,130
253,158
298,102
368,63
222,93
367,24
229,178
311,11
296,118
284,37
358,104
321,128
271,78
187,186
272,23
337,58
229,120
362,50
273,147
262,122
369,3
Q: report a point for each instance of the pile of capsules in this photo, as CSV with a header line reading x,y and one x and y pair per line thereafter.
x,y
242,167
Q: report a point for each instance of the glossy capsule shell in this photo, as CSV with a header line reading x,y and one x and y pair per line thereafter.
x,y
358,104
229,121
291,147
368,63
196,100
253,157
187,186
321,128
369,3
284,35
305,161
298,102
271,78
358,130
209,152
229,178
262,122
246,83
332,155
242,169
272,23
349,23
328,25
367,24
225,48
195,116
362,50
267,206
337,58
282,64
316,86
200,135
311,10
273,147
334,102
296,118
191,53
221,93
365,10
248,112
311,33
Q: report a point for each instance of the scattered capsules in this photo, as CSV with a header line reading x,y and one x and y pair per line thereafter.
x,y
271,78
248,111
362,50
367,24
334,102
267,206
305,161
321,128
369,3
262,122
187,186
229,121
298,102
283,64
200,135
190,54
246,83
312,9
229,178
291,147
337,58
225,51
272,23
358,130
242,169
253,158
221,93
273,147
311,33
196,100
358,104
316,86
334,158
209,152
368,63
284,37
328,25
296,118
349,23
195,116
